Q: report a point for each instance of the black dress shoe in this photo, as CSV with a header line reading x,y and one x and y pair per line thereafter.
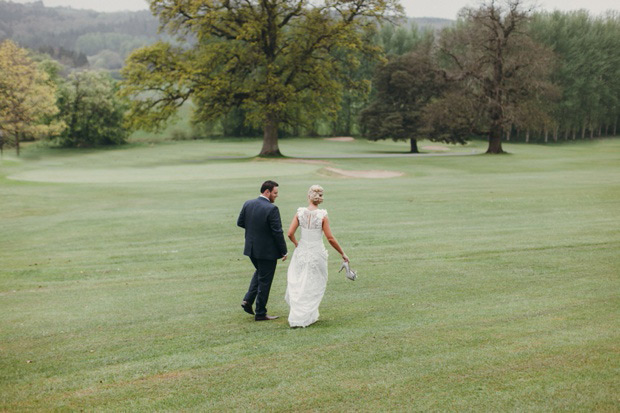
x,y
247,307
265,317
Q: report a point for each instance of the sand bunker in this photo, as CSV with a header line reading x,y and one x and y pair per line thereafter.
x,y
340,139
370,174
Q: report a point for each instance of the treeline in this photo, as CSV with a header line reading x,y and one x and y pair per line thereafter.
x,y
569,89
587,72
502,73
499,73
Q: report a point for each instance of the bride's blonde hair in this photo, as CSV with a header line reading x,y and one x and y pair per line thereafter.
x,y
315,194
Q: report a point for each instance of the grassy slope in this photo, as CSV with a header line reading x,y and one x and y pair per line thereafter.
x,y
486,282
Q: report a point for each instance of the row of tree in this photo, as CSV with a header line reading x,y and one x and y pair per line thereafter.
x,y
503,71
37,103
284,65
478,78
587,73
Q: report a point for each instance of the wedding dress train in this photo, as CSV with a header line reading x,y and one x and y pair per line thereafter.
x,y
307,272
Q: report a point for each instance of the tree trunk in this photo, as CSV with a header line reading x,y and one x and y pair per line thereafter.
x,y
495,139
546,135
555,133
17,143
508,134
574,133
270,138
527,136
414,145
583,131
615,124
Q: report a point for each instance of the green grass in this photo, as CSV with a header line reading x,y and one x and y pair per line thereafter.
x,y
486,283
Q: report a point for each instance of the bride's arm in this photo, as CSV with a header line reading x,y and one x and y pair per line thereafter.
x,y
331,239
292,229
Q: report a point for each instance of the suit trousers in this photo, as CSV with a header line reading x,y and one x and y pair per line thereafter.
x,y
261,284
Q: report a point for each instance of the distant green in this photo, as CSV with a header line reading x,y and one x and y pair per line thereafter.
x,y
486,283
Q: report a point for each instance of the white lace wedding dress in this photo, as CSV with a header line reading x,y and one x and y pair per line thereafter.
x,y
307,272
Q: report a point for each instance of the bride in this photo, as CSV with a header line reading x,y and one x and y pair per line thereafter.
x,y
307,272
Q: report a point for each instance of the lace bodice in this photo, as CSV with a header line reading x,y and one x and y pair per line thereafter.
x,y
311,223
311,219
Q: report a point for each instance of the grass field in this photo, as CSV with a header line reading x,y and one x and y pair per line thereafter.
x,y
486,283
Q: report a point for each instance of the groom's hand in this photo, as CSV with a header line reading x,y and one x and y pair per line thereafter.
x,y
284,258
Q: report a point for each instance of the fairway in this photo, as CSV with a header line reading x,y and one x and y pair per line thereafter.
x,y
485,283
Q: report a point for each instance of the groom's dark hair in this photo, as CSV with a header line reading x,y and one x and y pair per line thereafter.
x,y
268,185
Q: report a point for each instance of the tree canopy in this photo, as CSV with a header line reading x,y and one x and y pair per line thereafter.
x,y
404,87
499,73
27,98
480,77
588,72
92,111
280,61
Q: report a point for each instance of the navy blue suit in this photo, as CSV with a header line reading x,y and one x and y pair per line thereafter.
x,y
264,244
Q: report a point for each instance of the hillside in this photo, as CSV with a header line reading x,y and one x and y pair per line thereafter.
x,y
106,38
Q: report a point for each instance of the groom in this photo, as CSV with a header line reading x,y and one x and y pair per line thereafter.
x,y
264,244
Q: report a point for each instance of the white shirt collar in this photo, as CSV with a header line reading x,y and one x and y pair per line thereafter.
x,y
263,196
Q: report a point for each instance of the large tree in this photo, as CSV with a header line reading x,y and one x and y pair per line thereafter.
x,y
27,98
279,60
498,72
404,87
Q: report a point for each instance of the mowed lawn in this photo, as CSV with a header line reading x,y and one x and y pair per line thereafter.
x,y
486,283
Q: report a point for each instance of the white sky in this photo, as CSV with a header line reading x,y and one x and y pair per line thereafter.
x,y
414,8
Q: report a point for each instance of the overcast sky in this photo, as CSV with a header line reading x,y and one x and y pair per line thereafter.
x,y
414,8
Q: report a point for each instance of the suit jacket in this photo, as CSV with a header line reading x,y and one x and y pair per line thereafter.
x,y
264,238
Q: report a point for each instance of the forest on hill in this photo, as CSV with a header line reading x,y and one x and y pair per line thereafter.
x,y
70,35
